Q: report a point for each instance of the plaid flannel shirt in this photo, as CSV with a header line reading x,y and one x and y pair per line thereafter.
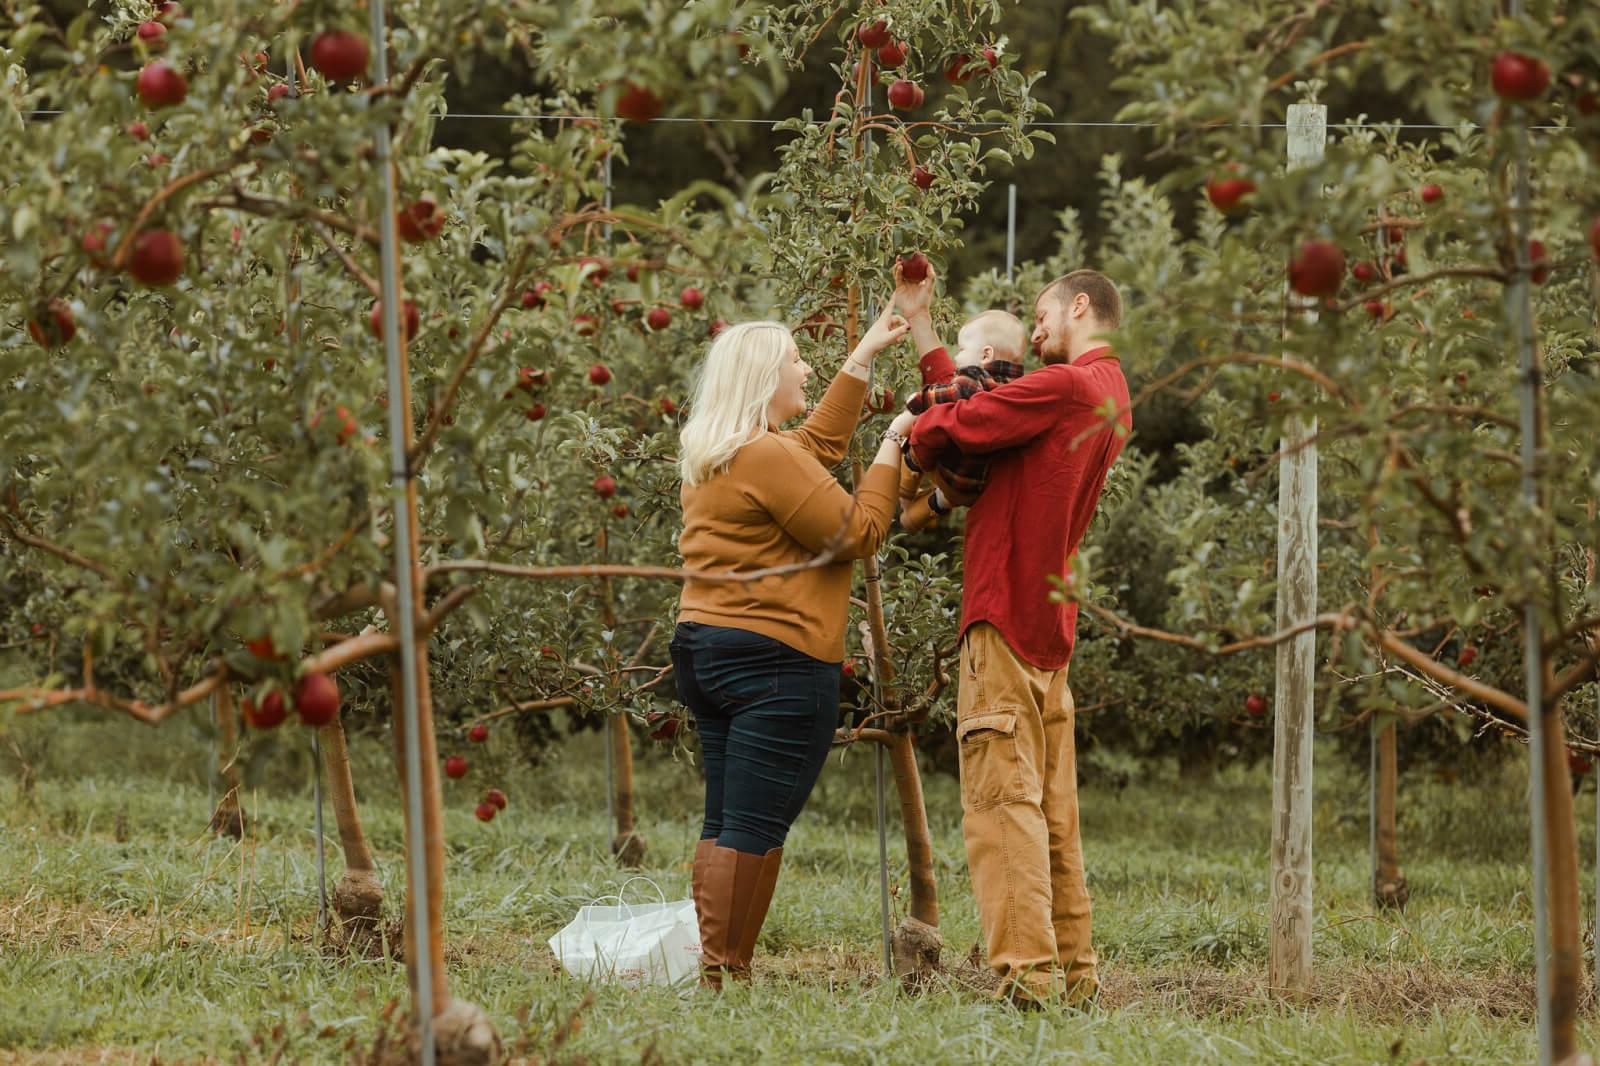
x,y
962,476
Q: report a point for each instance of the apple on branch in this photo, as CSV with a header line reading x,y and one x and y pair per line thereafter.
x,y
340,55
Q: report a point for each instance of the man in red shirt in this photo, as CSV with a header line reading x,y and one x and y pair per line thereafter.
x,y
1053,435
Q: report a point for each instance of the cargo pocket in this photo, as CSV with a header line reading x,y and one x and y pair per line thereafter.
x,y
990,771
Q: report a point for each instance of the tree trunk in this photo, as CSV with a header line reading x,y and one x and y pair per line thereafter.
x,y
916,942
1566,926
1389,886
628,846
358,898
227,819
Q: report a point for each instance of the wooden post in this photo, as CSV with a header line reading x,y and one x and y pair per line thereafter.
x,y
1289,949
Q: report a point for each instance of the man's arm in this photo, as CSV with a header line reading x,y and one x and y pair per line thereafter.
x,y
1007,417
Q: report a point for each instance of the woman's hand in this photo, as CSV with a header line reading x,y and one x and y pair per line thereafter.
x,y
889,329
903,422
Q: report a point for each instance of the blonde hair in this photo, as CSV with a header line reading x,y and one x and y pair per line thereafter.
x,y
1001,330
735,383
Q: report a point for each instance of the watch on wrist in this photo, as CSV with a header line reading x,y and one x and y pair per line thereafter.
x,y
900,439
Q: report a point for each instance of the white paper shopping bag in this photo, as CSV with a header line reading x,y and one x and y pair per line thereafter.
x,y
633,944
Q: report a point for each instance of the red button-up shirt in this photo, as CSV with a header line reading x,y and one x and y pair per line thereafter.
x,y
1044,485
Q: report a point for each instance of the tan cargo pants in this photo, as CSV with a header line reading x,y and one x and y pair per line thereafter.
x,y
1019,798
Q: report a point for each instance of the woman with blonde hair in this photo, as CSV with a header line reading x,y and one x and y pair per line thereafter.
x,y
758,662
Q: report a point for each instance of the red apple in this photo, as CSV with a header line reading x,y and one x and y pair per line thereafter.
x,y
1466,655
1538,262
455,767
1364,272
658,318
1588,104
340,55
496,797
151,33
903,94
548,652
1274,397
1579,764
486,811
718,325
263,648
53,325
159,85
137,130
1317,269
420,221
585,325
1519,77
881,401
1431,194
605,486
958,69
413,319
276,93
620,510
316,699
914,268
1225,193
667,729
169,11
269,715
921,177
892,54
991,57
668,406
478,733
1255,705
874,34
692,298
98,236
530,378
1594,237
599,374
1374,308
157,257
597,269
638,104
534,413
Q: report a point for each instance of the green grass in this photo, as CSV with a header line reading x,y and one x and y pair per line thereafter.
x,y
126,929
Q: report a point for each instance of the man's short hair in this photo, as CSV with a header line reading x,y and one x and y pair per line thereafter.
x,y
1002,330
1104,300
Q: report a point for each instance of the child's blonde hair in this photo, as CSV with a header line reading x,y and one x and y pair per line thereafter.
x,y
1000,330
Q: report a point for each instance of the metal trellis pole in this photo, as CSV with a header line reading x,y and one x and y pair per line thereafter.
x,y
1011,231
399,476
1519,313
1372,808
322,860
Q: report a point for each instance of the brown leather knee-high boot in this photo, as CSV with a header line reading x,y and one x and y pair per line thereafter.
x,y
757,879
714,878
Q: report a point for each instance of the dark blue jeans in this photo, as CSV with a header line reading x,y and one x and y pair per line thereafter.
x,y
766,715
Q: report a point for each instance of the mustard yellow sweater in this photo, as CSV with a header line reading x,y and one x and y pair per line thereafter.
x,y
775,505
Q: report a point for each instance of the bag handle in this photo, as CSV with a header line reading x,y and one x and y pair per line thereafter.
x,y
646,880
619,899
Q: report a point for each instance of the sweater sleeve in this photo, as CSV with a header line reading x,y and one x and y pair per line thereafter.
x,y
826,434
1007,417
817,511
910,481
